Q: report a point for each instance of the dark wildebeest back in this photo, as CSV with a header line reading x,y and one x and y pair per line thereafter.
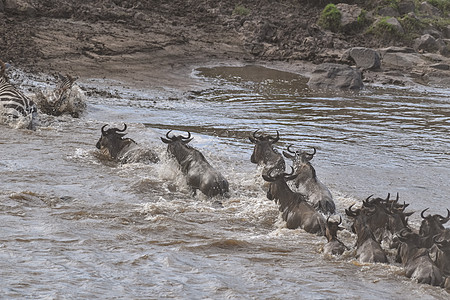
x,y
199,173
307,182
113,144
417,261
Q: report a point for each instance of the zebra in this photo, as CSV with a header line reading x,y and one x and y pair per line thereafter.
x,y
15,107
66,98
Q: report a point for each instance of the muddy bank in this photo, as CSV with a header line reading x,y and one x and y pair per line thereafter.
x,y
157,43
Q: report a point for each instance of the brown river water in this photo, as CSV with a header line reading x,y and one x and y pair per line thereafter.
x,y
75,226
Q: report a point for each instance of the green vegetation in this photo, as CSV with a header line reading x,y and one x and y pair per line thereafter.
x,y
241,10
330,18
384,30
443,5
392,3
362,18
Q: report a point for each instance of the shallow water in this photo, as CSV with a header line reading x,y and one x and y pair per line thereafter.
x,y
77,226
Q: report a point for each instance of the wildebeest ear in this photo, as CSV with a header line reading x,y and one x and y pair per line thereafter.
x,y
340,228
288,155
165,140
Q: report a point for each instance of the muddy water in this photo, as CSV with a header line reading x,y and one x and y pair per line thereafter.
x,y
75,226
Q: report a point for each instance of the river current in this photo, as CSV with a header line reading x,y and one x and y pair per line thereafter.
x,y
75,226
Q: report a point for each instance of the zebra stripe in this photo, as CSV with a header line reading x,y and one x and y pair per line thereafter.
x,y
61,91
14,104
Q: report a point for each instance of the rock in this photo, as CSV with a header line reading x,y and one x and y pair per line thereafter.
x,y
396,24
388,11
329,76
426,43
403,60
393,22
394,49
446,32
20,7
406,7
440,66
349,16
428,9
443,47
365,58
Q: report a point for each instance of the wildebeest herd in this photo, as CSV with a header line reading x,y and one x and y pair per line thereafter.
x,y
305,202
380,224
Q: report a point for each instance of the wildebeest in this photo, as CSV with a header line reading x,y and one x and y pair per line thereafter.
x,y
307,182
293,206
440,254
200,175
125,150
334,245
264,154
416,260
384,217
368,248
431,226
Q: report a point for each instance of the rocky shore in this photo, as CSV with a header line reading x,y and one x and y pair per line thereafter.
x,y
400,42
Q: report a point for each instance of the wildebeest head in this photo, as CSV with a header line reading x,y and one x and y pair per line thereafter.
x,y
263,147
112,140
175,144
278,186
301,160
332,228
299,156
432,224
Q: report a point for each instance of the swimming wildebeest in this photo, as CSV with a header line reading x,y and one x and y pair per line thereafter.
x,y
368,248
431,226
293,206
334,245
200,175
264,154
307,182
125,150
416,260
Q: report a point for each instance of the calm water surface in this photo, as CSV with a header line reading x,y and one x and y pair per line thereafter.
x,y
75,226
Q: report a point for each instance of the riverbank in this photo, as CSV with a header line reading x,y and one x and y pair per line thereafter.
x,y
157,44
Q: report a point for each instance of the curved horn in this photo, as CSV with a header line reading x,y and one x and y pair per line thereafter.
x,y
167,134
421,214
445,220
289,149
350,212
402,232
188,137
103,129
340,220
367,203
124,128
254,134
277,138
290,176
311,155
